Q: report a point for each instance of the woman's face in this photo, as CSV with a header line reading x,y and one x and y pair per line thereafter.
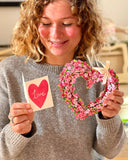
x,y
59,32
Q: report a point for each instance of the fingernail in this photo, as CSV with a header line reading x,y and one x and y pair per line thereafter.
x,y
28,121
105,103
28,106
30,110
109,95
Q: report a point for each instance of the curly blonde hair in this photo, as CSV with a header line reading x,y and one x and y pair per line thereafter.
x,y
26,39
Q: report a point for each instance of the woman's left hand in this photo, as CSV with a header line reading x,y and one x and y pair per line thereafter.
x,y
113,103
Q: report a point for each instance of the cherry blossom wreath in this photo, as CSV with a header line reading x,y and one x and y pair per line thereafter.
x,y
78,68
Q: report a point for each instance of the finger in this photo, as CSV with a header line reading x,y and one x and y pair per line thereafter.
x,y
118,93
108,112
20,109
116,99
22,128
112,105
21,106
18,112
10,116
19,119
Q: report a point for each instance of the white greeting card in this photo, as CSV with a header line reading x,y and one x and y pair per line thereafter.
x,y
38,93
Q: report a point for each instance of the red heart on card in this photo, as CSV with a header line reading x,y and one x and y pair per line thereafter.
x,y
38,94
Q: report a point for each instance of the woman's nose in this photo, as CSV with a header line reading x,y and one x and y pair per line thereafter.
x,y
56,31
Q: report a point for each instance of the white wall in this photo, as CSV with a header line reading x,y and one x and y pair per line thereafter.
x,y
117,10
8,18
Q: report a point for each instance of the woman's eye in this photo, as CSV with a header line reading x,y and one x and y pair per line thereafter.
x,y
46,24
67,24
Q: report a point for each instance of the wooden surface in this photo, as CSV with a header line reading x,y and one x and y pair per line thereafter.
x,y
108,55
123,158
5,53
123,78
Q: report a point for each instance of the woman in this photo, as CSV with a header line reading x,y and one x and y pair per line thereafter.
x,y
50,33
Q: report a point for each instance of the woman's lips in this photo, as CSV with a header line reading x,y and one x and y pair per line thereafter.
x,y
57,44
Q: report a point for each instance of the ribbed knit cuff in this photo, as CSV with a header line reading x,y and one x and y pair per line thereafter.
x,y
32,132
110,125
14,138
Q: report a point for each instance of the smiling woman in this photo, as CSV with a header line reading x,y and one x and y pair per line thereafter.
x,y
48,35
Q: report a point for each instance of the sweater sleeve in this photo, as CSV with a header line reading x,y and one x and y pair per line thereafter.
x,y
110,136
11,143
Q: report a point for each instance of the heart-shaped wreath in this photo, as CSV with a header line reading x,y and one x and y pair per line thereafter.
x,y
68,76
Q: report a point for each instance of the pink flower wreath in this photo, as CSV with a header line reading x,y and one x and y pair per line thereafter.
x,y
68,76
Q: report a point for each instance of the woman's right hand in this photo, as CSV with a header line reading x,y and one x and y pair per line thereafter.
x,y
21,117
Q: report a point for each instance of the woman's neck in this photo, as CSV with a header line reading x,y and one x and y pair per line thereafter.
x,y
58,60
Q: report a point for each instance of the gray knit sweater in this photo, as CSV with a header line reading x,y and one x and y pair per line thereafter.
x,y
56,134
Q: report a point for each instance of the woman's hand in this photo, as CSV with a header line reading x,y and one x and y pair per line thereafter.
x,y
113,103
21,117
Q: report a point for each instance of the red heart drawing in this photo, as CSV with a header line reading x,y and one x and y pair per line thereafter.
x,y
38,94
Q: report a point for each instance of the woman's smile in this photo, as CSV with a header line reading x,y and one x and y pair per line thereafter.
x,y
58,43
